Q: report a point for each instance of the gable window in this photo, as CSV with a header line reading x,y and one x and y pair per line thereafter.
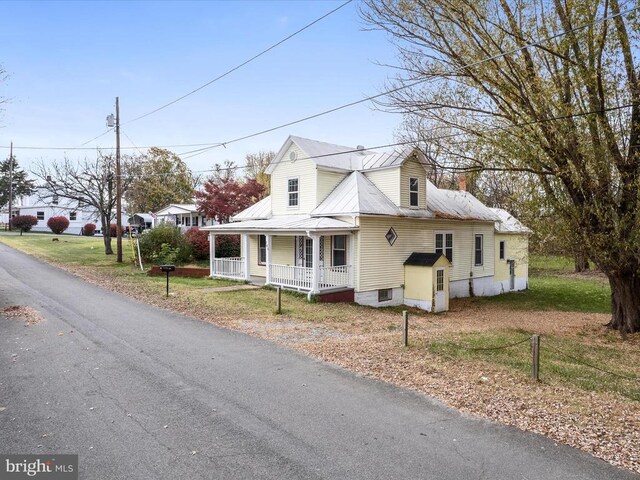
x,y
40,215
262,250
444,244
413,191
72,215
54,199
339,250
478,250
385,294
293,185
502,249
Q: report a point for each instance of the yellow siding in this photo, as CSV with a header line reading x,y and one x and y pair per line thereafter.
x,y
413,168
282,250
516,248
418,283
381,265
387,181
305,171
327,181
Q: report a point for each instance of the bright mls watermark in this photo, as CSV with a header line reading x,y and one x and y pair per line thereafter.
x,y
49,467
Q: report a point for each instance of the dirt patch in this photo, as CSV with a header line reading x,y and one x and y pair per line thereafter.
x,y
28,314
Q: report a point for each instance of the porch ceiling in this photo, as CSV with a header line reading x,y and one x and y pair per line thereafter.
x,y
285,225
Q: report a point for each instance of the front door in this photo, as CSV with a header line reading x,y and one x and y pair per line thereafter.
x,y
440,299
512,274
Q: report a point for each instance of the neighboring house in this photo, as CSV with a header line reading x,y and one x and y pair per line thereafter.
x,y
140,220
44,207
183,215
352,224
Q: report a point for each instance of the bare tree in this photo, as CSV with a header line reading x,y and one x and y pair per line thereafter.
x,y
91,183
546,87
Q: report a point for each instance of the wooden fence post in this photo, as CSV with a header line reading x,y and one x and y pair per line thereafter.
x,y
278,300
405,328
535,357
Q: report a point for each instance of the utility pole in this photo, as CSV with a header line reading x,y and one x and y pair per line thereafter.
x,y
118,187
10,183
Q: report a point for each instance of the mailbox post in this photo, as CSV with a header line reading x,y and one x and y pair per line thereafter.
x,y
167,269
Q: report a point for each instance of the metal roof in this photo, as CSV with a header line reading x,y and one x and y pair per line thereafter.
x,y
257,211
457,205
174,208
508,223
293,224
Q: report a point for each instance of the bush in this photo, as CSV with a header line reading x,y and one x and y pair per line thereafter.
x,y
58,224
113,230
89,230
23,222
227,246
165,244
198,240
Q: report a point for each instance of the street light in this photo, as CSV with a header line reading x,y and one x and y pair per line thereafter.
x,y
115,122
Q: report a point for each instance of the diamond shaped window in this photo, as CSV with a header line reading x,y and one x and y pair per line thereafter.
x,y
391,236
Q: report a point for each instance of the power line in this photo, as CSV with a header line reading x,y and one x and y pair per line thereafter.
x,y
237,67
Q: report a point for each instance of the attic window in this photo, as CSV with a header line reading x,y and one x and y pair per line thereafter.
x,y
391,236
413,191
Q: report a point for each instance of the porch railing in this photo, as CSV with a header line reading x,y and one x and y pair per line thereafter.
x,y
229,267
301,278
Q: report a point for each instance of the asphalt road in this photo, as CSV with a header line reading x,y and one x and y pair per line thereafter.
x,y
141,393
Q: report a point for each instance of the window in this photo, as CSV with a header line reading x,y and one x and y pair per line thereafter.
x,y
187,221
40,215
413,192
195,221
478,256
72,215
444,244
293,190
54,199
385,294
440,280
339,250
262,250
502,249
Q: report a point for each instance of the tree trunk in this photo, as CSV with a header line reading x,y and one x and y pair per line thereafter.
x,y
581,262
625,303
106,235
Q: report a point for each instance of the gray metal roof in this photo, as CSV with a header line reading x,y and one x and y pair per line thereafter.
x,y
508,223
457,205
329,155
286,223
257,211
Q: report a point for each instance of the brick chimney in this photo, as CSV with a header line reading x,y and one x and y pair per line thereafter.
x,y
462,182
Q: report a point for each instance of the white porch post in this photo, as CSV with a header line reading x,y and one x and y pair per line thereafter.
x,y
247,255
268,281
351,256
315,266
212,252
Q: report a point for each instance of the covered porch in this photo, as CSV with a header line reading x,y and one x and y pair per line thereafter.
x,y
313,255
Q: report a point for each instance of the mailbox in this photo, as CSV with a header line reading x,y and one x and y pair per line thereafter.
x,y
167,268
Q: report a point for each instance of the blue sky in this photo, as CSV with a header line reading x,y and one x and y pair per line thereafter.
x,y
67,61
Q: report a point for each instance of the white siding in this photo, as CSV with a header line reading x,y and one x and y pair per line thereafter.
x,y
387,181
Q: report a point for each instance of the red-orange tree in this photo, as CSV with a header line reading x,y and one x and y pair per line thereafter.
x,y
222,198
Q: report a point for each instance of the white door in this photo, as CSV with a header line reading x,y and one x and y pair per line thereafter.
x,y
440,299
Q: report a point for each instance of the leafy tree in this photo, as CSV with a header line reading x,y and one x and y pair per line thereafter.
x,y
22,186
163,179
256,165
222,198
24,222
545,87
165,244
58,224
90,182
